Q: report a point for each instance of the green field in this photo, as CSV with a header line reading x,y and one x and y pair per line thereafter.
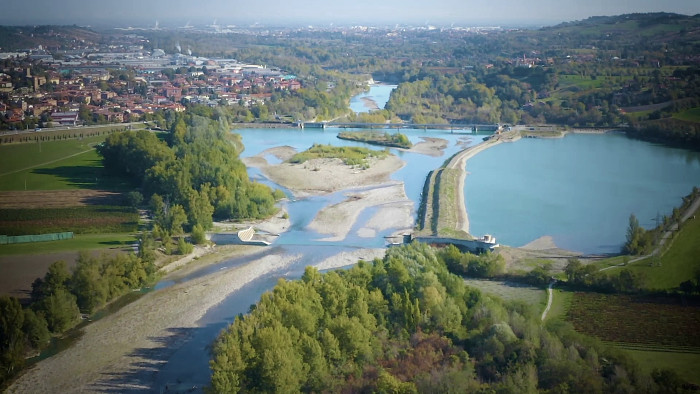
x,y
14,157
689,115
511,291
79,242
678,263
561,302
684,364
71,165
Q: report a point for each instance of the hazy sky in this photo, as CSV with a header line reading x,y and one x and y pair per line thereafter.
x,y
323,12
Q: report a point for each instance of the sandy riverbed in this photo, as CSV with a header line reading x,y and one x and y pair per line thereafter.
x,y
393,210
122,352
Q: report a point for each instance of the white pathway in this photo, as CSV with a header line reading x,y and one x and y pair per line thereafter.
x,y
550,297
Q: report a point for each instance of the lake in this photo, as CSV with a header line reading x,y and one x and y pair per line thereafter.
x,y
580,189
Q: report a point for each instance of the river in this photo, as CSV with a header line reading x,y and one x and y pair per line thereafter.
x,y
378,94
579,189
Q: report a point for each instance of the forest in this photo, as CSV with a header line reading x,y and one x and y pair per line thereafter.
x,y
195,174
406,324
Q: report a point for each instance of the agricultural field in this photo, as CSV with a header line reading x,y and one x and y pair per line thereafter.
x,y
511,291
657,332
80,220
49,186
654,321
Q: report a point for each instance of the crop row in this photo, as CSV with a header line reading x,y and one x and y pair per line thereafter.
x,y
635,319
80,220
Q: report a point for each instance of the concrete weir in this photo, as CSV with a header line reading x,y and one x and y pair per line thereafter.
x,y
242,237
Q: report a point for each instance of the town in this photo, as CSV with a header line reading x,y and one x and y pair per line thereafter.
x,y
123,82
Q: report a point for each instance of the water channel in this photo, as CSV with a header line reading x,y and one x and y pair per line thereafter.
x,y
579,189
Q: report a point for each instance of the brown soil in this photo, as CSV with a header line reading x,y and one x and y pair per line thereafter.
x,y
57,198
19,272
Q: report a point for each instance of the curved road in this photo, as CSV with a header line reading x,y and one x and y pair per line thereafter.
x,y
690,212
550,298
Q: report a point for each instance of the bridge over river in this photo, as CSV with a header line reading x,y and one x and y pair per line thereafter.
x,y
472,128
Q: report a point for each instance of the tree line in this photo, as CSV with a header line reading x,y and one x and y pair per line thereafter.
x,y
59,298
406,324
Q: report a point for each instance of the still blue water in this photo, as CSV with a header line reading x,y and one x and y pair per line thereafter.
x,y
378,93
580,189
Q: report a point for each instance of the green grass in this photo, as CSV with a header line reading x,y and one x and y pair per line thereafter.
x,y
689,115
83,171
561,302
511,291
15,157
79,242
679,263
684,364
350,155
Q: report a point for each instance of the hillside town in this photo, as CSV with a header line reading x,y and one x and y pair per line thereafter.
x,y
94,84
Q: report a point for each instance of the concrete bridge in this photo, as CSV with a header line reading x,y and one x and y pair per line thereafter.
x,y
359,125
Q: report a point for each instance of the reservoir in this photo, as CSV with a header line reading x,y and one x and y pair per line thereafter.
x,y
580,189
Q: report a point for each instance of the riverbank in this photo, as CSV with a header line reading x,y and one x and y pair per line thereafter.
x,y
122,351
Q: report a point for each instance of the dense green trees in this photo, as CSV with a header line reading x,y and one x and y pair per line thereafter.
x,y
589,277
405,324
59,297
198,174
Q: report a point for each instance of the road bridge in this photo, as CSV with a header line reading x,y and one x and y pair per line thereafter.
x,y
473,128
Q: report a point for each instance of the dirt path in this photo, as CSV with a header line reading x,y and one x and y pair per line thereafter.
x,y
550,298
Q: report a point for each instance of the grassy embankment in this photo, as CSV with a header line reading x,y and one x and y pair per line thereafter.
x,y
678,261
64,163
437,216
